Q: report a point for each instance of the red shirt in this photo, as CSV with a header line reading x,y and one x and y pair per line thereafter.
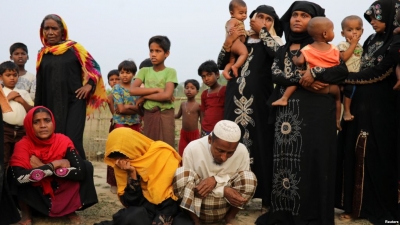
x,y
213,107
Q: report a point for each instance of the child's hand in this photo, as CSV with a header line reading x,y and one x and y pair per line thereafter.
x,y
140,101
159,90
12,95
19,99
353,40
307,79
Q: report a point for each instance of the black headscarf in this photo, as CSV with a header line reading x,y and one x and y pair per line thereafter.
x,y
384,11
271,12
304,6
298,38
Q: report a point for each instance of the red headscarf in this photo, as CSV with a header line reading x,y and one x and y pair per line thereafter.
x,y
47,150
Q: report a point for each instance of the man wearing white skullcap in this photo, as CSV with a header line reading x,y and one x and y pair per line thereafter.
x,y
215,181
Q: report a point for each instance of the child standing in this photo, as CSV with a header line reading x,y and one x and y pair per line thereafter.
x,y
20,102
113,79
238,11
350,52
125,114
321,30
157,95
190,112
26,80
212,99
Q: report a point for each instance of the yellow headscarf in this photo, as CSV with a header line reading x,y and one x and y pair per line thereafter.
x,y
155,162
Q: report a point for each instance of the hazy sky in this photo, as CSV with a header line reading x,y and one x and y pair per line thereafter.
x,y
115,30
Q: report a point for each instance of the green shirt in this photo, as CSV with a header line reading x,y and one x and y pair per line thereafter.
x,y
153,79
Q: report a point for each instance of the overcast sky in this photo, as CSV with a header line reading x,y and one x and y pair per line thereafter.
x,y
115,30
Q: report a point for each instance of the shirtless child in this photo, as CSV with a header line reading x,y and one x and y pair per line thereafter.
x,y
238,11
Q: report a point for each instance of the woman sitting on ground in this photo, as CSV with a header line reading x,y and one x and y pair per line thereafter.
x,y
49,176
144,170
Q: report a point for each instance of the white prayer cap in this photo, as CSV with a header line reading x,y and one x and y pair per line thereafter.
x,y
227,130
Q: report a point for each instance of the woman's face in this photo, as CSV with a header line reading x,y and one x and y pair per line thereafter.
x,y
43,125
299,21
377,25
266,19
52,32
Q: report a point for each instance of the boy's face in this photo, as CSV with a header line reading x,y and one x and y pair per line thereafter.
x,y
10,78
125,76
239,12
19,57
190,90
352,28
113,80
157,54
209,78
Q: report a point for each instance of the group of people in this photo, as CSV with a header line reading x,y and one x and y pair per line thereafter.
x,y
284,143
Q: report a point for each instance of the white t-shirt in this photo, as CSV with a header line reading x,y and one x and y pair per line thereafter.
x,y
27,82
17,116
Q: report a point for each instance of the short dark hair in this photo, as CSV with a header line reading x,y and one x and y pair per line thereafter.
x,y
18,45
58,21
116,155
352,17
194,82
235,3
145,63
111,73
162,41
7,65
128,65
208,66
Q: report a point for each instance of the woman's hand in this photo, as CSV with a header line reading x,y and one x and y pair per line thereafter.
x,y
140,101
256,25
61,163
307,79
318,85
234,33
83,92
35,162
125,164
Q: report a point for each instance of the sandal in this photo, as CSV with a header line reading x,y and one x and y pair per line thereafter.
x,y
345,217
27,222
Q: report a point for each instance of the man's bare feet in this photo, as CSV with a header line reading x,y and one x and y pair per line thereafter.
x,y
235,70
280,102
226,75
347,116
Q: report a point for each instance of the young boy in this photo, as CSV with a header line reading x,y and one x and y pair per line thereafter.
x,y
26,80
190,112
321,30
213,99
350,52
157,95
113,79
20,102
238,11
125,114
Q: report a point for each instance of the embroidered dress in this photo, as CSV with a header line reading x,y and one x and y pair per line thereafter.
x,y
51,192
304,150
246,102
366,183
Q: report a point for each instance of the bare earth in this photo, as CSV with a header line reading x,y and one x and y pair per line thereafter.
x,y
109,204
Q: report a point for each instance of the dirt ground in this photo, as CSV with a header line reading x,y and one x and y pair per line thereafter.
x,y
109,204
